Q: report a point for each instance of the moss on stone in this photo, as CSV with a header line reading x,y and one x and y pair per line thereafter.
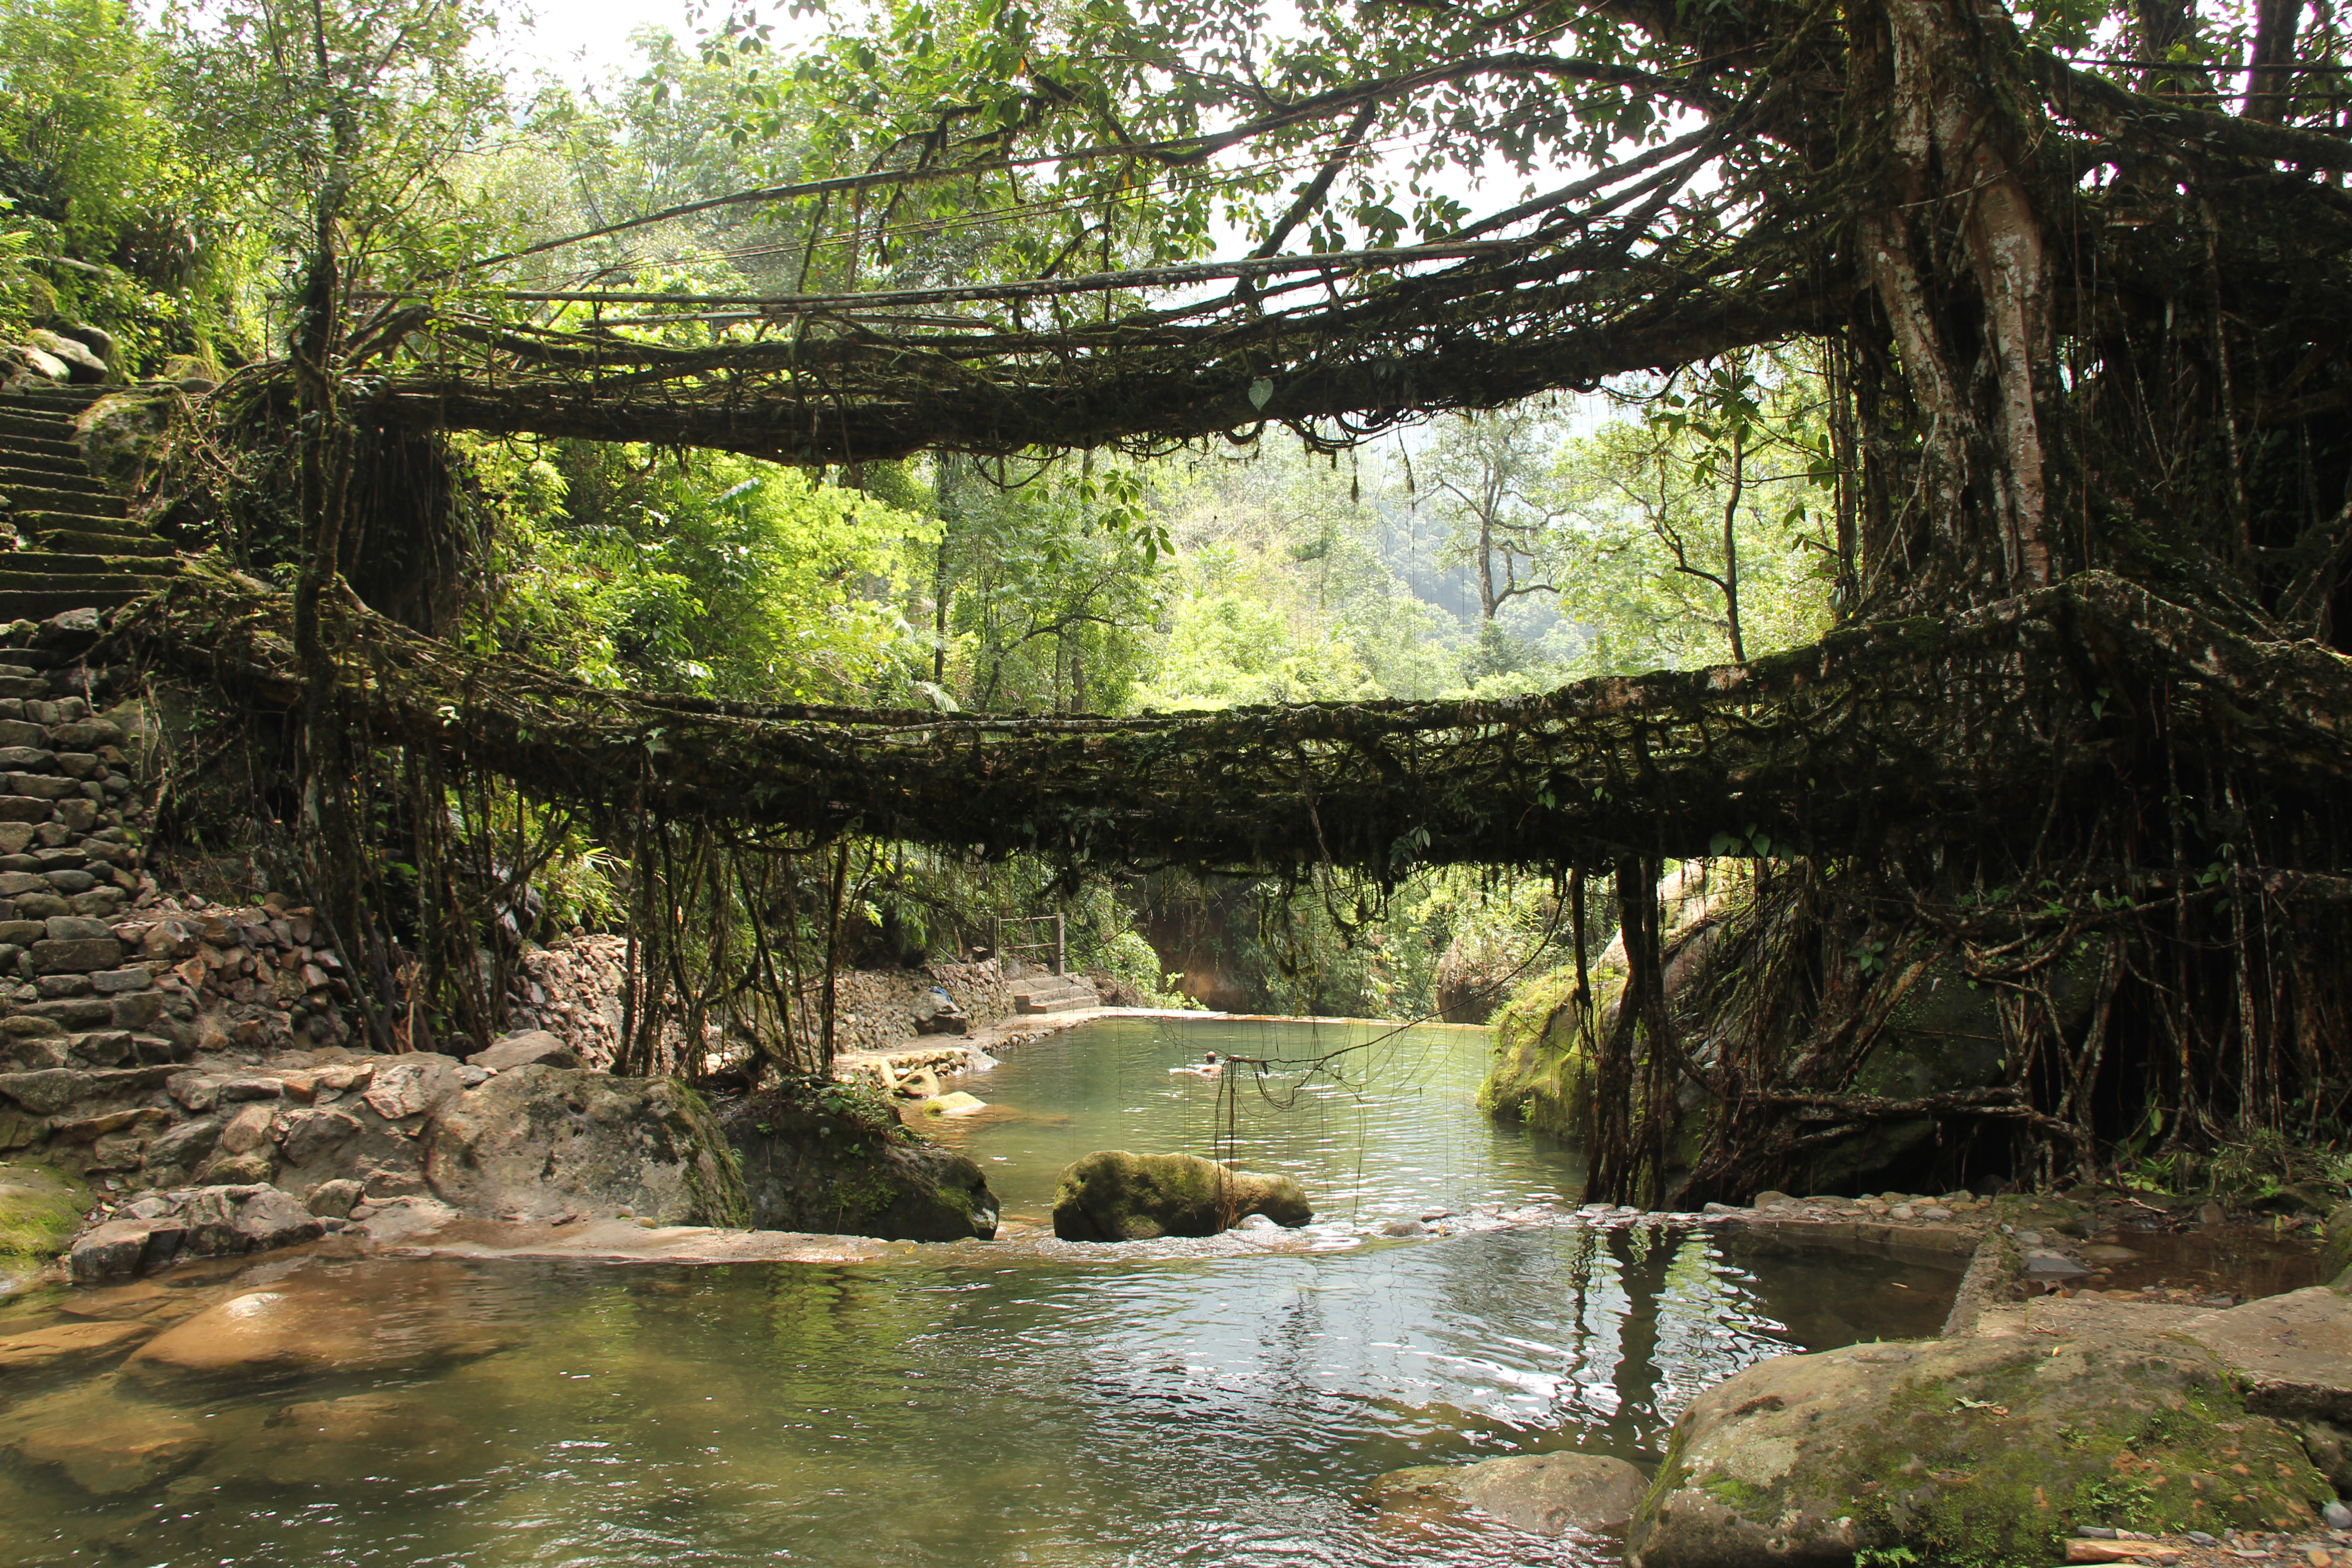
x,y
40,1208
1541,1074
1970,1451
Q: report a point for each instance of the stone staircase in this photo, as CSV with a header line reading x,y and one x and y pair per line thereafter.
x,y
81,548
1054,993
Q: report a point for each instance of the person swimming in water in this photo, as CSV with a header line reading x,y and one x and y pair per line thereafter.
x,y
1208,1067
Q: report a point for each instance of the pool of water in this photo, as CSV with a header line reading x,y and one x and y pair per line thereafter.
x,y
985,1404
1376,1122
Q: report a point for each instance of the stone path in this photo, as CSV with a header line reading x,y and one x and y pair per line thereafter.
x,y
82,549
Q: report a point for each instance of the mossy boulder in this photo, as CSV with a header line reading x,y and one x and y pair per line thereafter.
x,y
542,1141
1114,1195
834,1158
1541,1074
2335,1253
1976,1451
40,1208
118,436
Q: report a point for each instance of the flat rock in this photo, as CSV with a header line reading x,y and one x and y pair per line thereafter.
x,y
2293,1352
47,1093
64,1344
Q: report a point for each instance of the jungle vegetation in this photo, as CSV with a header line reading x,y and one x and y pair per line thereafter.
x,y
768,429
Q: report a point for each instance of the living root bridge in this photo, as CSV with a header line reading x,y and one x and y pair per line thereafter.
x,y
1963,731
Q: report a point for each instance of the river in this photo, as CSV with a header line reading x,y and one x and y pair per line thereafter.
x,y
1023,1402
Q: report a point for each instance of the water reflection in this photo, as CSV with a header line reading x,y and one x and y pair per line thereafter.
x,y
976,1408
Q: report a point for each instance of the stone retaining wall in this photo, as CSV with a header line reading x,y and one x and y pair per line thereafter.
x,y
574,989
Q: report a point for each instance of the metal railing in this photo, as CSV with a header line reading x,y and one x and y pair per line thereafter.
x,y
1057,945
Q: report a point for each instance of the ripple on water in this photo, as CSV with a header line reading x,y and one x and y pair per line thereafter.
x,y
1226,1403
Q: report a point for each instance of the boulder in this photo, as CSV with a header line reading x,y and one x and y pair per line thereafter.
x,y
45,1093
2335,1253
542,1141
118,434
1540,1494
116,1249
524,1050
1114,1195
40,1208
1965,1451
336,1199
834,1158
26,359
82,364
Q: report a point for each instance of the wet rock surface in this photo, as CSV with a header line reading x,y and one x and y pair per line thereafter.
x,y
1115,1196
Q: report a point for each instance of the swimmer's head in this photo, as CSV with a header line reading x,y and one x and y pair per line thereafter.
x,y
1212,1055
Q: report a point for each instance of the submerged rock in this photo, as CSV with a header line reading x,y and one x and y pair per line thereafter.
x,y
105,1445
1541,1494
540,1143
326,1442
1114,1195
304,1327
834,1158
1965,1451
64,1344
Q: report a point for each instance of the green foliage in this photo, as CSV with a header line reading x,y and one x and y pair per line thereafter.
x,y
713,573
109,212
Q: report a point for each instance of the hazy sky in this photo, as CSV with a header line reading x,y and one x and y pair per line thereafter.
x,y
585,39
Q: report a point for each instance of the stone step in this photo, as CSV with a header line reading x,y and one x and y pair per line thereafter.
x,y
90,541
55,563
40,521
69,503
26,569
65,468
1059,1004
41,603
1044,990
1054,993
73,398
32,423
18,449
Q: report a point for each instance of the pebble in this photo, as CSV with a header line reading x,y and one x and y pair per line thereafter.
x,y
2338,1515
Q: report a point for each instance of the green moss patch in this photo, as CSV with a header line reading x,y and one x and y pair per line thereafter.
x,y
40,1208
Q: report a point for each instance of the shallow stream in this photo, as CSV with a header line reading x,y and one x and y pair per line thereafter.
x,y
1217,1402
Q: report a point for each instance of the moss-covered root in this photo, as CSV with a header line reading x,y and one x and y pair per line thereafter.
x,y
40,1209
1967,1451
